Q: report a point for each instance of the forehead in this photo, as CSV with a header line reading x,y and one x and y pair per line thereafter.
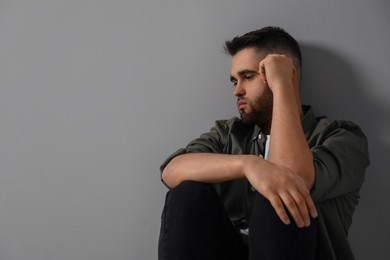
x,y
245,59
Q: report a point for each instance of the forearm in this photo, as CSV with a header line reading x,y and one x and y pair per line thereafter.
x,y
204,167
288,145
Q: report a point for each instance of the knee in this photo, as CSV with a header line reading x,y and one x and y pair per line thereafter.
x,y
190,192
190,187
192,198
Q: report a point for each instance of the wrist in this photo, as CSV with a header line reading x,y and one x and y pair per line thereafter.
x,y
282,88
249,163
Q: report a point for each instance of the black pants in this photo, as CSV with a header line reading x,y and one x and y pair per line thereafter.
x,y
195,225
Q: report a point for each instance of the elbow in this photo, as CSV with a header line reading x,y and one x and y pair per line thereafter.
x,y
309,175
306,172
168,176
165,178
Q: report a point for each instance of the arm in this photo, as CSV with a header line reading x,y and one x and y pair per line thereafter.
x,y
203,167
213,168
288,145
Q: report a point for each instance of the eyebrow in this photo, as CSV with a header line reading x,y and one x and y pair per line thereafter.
x,y
242,72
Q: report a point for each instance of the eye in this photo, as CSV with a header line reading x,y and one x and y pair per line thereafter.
x,y
248,76
234,83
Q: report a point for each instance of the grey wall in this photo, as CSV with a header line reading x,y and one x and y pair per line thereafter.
x,y
95,94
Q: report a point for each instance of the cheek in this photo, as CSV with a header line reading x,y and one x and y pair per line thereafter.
x,y
260,88
259,93
263,99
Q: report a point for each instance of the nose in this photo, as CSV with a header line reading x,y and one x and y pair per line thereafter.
x,y
239,90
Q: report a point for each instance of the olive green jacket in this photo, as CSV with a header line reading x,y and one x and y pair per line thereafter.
x,y
340,154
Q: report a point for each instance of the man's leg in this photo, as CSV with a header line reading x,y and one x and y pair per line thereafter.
x,y
195,225
271,239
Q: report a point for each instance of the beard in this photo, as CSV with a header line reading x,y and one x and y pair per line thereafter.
x,y
261,110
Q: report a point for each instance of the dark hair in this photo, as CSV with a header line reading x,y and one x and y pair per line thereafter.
x,y
267,40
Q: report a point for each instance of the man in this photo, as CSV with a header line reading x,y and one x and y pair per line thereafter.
x,y
278,183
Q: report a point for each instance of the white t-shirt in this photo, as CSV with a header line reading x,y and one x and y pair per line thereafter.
x,y
266,152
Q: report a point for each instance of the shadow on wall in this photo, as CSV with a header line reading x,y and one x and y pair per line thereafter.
x,y
337,89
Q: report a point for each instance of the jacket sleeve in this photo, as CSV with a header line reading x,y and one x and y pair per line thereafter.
x,y
340,153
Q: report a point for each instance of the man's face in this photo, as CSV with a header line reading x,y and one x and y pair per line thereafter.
x,y
254,97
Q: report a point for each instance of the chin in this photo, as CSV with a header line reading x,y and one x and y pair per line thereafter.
x,y
260,119
247,118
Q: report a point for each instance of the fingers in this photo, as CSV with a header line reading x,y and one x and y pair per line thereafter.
x,y
262,71
278,205
297,211
276,67
310,205
300,207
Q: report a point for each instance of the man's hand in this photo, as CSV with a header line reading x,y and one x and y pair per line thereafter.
x,y
284,190
277,70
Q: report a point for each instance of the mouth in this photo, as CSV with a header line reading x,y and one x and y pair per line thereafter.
x,y
241,105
